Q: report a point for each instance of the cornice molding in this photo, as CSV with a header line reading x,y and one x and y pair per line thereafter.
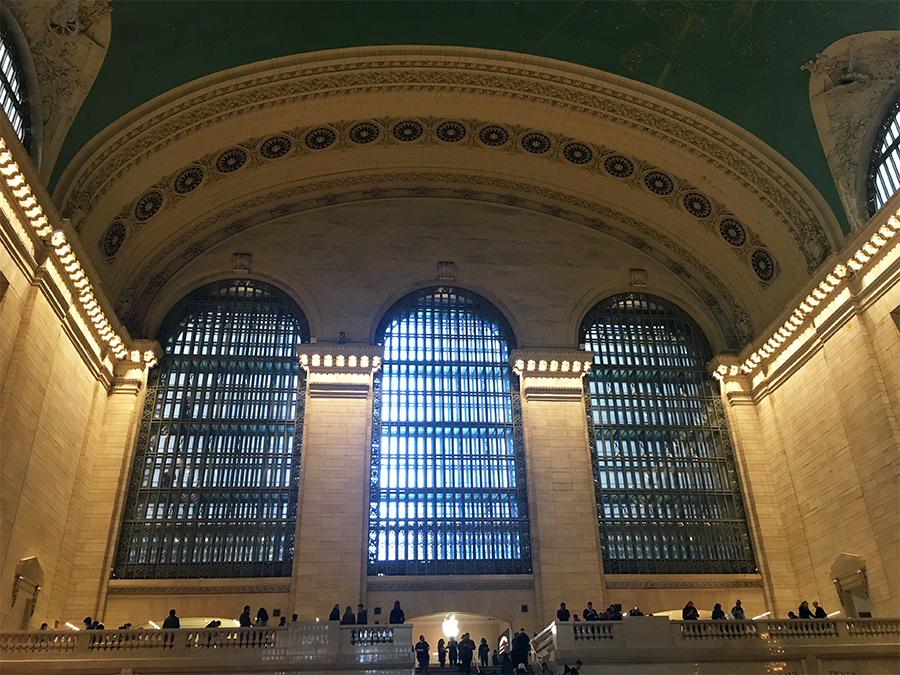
x,y
724,583
461,585
852,297
339,371
197,590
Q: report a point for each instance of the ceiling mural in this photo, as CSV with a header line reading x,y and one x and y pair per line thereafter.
x,y
738,58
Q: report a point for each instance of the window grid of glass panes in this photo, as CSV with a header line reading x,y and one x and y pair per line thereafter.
x,y
448,469
213,487
884,169
668,499
13,96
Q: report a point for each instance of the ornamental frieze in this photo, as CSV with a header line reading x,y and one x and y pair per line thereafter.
x,y
609,164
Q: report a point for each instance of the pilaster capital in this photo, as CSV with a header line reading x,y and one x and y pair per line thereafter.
x,y
128,378
734,383
551,374
339,371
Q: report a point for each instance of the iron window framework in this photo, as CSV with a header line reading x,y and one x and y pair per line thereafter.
x,y
668,497
448,462
213,486
13,92
883,179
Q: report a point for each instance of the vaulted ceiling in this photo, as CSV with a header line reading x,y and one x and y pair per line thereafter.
x,y
586,138
738,58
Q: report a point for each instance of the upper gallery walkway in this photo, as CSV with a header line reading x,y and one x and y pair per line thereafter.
x,y
648,644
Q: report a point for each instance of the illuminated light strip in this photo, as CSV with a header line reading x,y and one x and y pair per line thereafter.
x,y
542,366
339,361
832,280
67,259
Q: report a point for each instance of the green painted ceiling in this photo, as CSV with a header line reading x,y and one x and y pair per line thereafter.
x,y
740,58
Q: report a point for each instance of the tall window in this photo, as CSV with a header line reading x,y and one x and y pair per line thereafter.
x,y
668,498
13,96
213,488
448,469
884,168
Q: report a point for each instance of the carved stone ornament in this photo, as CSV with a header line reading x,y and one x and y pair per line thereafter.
x,y
241,262
242,589
638,278
446,271
68,40
851,85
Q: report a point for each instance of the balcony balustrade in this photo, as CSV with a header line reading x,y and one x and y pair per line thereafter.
x,y
635,645
298,647
650,644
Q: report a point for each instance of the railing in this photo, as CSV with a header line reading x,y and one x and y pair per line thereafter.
x,y
372,636
297,646
874,627
99,641
594,630
719,630
724,646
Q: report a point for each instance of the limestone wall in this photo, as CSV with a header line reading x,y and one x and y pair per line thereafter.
x,y
66,415
818,436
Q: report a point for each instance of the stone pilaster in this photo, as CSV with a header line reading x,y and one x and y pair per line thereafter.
x,y
106,480
561,502
757,460
333,505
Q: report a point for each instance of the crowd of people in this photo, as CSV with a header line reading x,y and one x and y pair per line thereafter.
x,y
689,613
461,654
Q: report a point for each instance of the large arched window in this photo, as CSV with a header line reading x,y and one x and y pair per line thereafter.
x,y
884,168
668,498
448,469
13,94
213,487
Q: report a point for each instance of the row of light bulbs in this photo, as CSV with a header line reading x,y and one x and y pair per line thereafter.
x,y
339,361
819,294
67,259
543,366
